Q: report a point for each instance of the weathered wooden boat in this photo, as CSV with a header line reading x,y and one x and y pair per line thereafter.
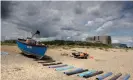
x,y
37,50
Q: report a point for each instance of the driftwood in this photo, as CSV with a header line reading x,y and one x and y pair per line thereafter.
x,y
64,54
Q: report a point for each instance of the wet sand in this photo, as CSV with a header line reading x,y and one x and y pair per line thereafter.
x,y
15,66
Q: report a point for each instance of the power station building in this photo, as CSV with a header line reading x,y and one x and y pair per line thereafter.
x,y
99,39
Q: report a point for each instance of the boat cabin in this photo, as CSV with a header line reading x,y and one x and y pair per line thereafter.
x,y
31,41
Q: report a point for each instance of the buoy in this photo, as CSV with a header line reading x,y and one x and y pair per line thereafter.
x,y
101,77
115,76
92,74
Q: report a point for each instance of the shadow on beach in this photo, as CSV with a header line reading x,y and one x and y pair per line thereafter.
x,y
45,58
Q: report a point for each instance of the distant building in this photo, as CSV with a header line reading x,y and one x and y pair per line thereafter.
x,y
119,45
100,39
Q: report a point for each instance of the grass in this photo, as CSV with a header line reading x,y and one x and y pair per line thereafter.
x,y
8,42
69,44
11,44
65,44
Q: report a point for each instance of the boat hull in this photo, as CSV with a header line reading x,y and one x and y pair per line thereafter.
x,y
36,50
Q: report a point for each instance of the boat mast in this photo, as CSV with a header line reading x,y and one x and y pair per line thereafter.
x,y
37,32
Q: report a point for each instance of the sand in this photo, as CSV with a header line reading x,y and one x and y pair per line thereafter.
x,y
15,66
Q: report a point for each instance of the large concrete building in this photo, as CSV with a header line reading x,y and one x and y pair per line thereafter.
x,y
100,39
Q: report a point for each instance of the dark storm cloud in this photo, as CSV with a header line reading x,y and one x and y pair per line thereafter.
x,y
5,9
70,19
78,11
56,19
69,28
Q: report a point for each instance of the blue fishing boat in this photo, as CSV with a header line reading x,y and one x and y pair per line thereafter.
x,y
32,48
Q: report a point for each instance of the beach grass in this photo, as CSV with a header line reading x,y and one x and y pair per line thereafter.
x,y
68,44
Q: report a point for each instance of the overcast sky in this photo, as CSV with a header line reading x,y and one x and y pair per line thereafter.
x,y
70,20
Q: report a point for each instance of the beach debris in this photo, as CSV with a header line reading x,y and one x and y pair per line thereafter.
x,y
66,48
125,77
93,74
80,55
79,70
17,69
52,64
64,68
84,73
91,57
4,53
101,77
115,76
73,50
71,56
73,70
87,72
64,54
57,66
48,61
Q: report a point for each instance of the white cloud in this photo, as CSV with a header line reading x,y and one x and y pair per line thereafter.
x,y
115,41
122,38
130,41
105,26
90,23
100,20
